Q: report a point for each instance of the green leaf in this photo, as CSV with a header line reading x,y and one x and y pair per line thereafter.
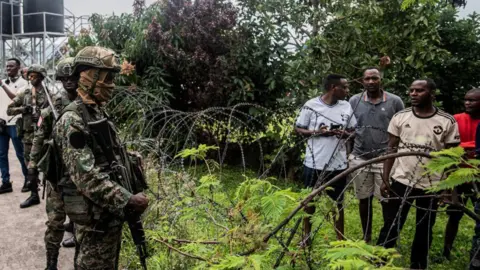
x,y
456,178
454,152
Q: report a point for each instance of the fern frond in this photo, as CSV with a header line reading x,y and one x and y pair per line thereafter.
x,y
456,178
439,164
454,152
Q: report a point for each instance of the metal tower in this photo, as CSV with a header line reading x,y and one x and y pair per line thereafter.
x,y
43,47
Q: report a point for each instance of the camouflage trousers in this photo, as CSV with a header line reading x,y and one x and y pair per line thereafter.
x,y
97,248
475,251
27,145
56,218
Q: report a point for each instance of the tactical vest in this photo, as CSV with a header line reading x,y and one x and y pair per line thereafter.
x,y
40,102
79,208
48,164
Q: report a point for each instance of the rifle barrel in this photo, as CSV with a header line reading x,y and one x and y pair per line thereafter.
x,y
50,102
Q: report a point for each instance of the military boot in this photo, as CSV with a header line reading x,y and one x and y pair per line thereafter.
x,y
25,188
34,199
69,242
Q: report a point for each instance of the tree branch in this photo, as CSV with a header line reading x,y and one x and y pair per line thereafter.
x,y
179,251
316,191
183,241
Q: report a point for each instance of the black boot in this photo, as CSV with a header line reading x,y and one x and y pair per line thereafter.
x,y
5,188
52,262
34,199
25,188
69,242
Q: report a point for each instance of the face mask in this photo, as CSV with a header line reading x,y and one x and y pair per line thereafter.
x,y
96,83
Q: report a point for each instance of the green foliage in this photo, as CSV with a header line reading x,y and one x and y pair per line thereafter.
x,y
359,255
452,163
408,3
196,153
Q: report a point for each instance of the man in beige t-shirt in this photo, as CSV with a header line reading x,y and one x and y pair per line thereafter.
x,y
423,126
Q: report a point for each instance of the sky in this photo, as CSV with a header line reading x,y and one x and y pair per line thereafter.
x,y
87,7
472,5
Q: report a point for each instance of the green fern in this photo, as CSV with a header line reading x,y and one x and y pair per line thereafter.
x,y
196,153
453,152
456,178
359,255
451,162
230,262
441,163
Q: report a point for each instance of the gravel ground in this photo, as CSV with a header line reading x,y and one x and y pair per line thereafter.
x,y
22,230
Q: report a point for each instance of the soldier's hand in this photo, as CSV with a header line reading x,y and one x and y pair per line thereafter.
x,y
27,109
138,203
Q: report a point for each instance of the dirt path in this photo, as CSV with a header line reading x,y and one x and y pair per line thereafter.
x,y
22,230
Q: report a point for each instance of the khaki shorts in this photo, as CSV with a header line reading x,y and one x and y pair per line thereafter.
x,y
367,180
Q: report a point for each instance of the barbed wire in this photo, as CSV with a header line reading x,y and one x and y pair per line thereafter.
x,y
165,132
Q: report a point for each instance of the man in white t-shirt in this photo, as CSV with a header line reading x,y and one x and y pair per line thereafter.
x,y
328,121
10,87
423,126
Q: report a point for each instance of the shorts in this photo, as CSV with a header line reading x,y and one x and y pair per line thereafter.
x,y
367,180
310,177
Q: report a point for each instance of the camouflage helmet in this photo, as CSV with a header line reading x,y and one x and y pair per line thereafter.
x,y
96,57
64,67
37,69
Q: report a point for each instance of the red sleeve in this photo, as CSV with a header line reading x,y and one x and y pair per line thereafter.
x,y
467,129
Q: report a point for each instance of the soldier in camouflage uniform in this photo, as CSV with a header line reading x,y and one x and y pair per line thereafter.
x,y
29,104
93,201
54,205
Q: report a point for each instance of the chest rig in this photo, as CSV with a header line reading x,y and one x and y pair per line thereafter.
x,y
110,156
37,100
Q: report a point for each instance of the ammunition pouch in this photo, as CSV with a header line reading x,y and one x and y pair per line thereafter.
x,y
48,164
28,123
78,208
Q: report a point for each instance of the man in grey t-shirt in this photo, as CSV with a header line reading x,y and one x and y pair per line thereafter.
x,y
373,109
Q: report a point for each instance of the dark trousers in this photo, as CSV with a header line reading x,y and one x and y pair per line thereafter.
x,y
475,251
395,214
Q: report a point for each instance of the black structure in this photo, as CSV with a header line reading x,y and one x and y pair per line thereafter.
x,y
6,9
36,11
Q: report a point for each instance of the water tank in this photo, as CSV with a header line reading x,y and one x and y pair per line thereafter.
x,y
33,23
6,20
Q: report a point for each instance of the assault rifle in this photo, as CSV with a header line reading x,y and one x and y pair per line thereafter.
x,y
50,143
127,174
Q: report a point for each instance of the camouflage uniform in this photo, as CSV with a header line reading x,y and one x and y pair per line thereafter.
x,y
18,105
54,203
36,101
92,200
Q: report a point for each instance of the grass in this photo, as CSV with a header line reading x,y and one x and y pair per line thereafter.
x,y
232,177
460,255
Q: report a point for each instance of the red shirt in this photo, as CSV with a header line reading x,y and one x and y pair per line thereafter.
x,y
467,126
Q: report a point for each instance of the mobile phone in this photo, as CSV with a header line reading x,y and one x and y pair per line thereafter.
x,y
335,126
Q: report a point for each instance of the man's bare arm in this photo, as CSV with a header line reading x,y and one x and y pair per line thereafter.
x,y
7,90
393,142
